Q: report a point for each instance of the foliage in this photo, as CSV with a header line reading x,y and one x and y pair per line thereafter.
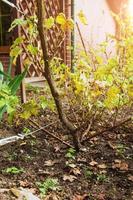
x,y
89,174
71,153
48,184
101,84
8,89
82,18
29,109
13,170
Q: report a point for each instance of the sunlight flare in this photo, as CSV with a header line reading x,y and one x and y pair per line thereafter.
x,y
130,8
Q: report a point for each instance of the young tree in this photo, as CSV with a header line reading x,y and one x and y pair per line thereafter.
x,y
47,73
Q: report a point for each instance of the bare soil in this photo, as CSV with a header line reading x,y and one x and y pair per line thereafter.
x,y
102,170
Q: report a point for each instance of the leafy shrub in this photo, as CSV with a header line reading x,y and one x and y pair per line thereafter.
x,y
8,89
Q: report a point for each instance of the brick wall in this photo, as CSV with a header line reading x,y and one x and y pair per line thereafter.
x,y
4,58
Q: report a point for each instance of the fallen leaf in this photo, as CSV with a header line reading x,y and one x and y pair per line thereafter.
x,y
71,165
69,178
111,145
120,165
130,178
57,148
102,166
24,183
79,197
16,192
51,197
49,163
93,163
75,171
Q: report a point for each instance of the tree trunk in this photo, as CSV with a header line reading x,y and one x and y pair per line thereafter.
x,y
48,76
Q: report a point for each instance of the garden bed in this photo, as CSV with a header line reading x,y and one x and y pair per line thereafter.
x,y
102,170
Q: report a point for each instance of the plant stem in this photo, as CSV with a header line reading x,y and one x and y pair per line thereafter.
x,y
47,74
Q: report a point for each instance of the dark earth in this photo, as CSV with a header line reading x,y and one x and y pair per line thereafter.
x,y
102,170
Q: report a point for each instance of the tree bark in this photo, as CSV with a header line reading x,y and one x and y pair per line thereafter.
x,y
47,74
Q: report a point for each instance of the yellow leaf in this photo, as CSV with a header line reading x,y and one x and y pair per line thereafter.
x,y
65,23
61,19
130,90
112,99
82,18
49,23
69,25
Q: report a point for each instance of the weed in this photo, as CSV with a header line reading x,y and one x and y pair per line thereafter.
x,y
88,173
26,130
71,153
120,149
48,184
13,170
101,178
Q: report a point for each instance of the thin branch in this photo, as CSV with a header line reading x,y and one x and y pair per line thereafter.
x,y
107,130
52,135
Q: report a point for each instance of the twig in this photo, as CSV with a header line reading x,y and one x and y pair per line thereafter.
x,y
106,130
81,38
52,135
89,127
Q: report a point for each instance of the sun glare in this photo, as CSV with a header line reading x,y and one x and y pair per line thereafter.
x,y
130,8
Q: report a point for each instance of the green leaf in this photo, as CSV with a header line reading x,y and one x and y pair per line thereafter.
x,y
2,111
82,18
33,50
16,22
15,83
15,52
1,73
49,23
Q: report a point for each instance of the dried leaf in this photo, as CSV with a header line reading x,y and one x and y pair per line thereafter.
x,y
79,197
76,171
102,166
16,192
93,163
120,165
24,183
111,145
51,197
130,178
69,178
49,163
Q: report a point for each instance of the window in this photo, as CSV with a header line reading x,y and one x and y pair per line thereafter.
x,y
5,22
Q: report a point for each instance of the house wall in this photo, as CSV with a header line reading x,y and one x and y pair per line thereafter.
x,y
100,23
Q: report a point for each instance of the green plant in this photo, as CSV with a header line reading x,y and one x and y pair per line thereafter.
x,y
47,185
88,173
102,178
71,153
26,130
30,108
120,149
13,170
100,88
8,89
